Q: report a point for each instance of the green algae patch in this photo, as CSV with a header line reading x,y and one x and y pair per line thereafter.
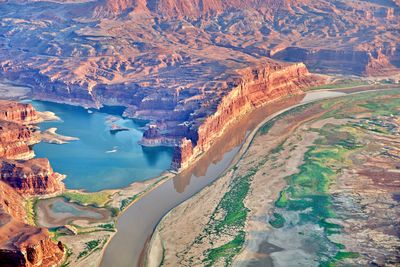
x,y
278,221
341,255
97,199
282,201
308,190
91,247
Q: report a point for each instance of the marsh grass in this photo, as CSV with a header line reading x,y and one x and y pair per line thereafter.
x,y
97,199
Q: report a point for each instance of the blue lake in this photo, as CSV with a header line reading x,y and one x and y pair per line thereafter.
x,y
99,159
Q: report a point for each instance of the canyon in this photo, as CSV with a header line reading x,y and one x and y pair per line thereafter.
x,y
21,176
186,70
186,66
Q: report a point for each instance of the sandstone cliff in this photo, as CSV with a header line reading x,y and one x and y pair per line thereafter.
x,y
252,88
31,177
17,112
22,244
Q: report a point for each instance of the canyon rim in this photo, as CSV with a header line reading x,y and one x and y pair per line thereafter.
x,y
160,84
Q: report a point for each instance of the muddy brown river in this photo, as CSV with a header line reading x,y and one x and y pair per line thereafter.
x,y
136,225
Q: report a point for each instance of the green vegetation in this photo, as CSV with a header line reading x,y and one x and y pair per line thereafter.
x,y
91,246
267,126
67,256
383,108
232,222
225,252
346,255
282,200
126,202
108,226
307,190
97,199
30,209
232,204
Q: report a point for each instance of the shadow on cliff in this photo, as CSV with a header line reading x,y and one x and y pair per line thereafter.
x,y
234,136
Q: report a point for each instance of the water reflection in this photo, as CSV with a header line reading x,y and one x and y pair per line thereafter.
x,y
136,225
235,135
99,159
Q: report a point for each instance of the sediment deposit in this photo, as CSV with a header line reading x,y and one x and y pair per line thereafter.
x,y
318,185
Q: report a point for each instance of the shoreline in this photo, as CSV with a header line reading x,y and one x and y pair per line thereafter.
x,y
243,150
155,182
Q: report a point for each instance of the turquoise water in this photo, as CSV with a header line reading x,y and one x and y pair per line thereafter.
x,y
99,160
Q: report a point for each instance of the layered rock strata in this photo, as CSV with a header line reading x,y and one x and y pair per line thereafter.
x,y
25,245
253,88
31,177
177,62
18,112
22,244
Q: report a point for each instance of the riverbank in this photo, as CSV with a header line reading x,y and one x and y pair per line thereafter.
x,y
85,235
228,217
94,238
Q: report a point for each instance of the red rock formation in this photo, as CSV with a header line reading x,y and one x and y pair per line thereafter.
x,y
22,244
336,61
11,202
15,140
31,177
182,154
251,89
17,112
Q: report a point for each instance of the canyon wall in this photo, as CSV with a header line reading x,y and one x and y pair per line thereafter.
x,y
31,177
15,140
17,112
252,88
22,244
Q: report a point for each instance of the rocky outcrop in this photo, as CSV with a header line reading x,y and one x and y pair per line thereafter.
x,y
174,62
31,177
183,152
16,132
17,112
250,89
23,245
17,169
11,202
15,140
